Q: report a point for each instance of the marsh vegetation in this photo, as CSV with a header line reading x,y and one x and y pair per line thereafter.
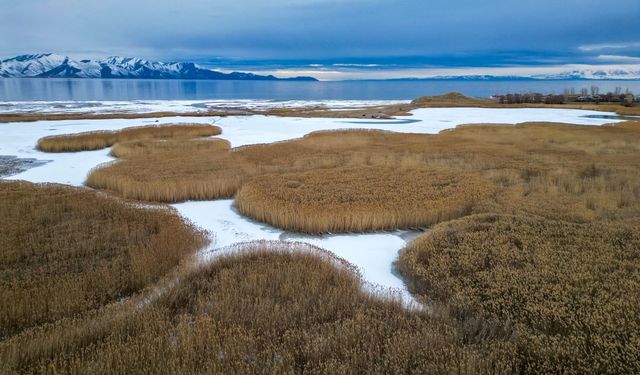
x,y
341,181
95,140
531,263
559,295
65,251
268,308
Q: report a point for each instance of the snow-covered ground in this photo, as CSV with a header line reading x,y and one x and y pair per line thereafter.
x,y
180,106
372,253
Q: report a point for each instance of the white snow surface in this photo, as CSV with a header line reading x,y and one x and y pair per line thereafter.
x,y
181,106
372,253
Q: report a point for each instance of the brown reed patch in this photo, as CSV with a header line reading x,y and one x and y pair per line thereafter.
x,y
171,171
559,171
453,100
257,311
66,250
568,295
96,140
30,117
168,147
360,199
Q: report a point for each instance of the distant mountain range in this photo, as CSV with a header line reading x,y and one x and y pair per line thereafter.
x,y
582,74
50,65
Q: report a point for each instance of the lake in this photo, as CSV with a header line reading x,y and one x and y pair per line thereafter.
x,y
54,89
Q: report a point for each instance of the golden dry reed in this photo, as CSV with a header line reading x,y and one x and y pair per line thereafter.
x,y
66,250
95,140
260,311
360,199
563,297
368,180
168,147
456,100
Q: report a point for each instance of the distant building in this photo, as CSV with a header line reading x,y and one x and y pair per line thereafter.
x,y
628,99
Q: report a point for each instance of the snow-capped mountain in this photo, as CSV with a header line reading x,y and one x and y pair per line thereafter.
x,y
623,72
583,74
50,65
610,73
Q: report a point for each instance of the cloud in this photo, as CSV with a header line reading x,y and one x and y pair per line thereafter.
x,y
326,31
609,46
521,71
357,65
619,58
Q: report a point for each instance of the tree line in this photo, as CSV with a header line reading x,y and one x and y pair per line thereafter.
x,y
585,95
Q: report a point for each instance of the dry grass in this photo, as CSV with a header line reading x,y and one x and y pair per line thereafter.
x,y
359,199
376,194
553,288
30,117
572,173
167,172
452,100
602,107
168,148
567,295
367,180
96,140
262,310
65,250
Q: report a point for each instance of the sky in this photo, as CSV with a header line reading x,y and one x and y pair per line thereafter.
x,y
333,39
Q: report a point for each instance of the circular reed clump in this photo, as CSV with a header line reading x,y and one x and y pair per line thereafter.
x,y
360,199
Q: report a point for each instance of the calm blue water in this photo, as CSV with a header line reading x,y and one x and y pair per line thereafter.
x,y
26,89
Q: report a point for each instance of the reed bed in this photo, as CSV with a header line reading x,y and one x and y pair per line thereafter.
x,y
96,140
456,100
559,171
566,295
30,117
541,276
168,147
256,311
64,251
360,199
198,173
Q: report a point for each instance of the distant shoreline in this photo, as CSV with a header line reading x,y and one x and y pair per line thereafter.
x,y
316,80
80,89
378,112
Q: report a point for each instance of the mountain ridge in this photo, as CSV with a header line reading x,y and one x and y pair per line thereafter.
x,y
575,75
50,65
